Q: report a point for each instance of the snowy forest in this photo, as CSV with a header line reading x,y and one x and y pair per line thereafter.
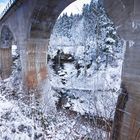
x,y
85,58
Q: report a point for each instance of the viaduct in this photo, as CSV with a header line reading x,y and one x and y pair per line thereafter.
x,y
29,23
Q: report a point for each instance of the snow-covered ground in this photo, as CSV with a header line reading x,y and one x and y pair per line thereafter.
x,y
92,93
13,124
21,121
87,89
96,92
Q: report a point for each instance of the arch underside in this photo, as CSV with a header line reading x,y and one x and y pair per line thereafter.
x,y
45,15
43,19
126,16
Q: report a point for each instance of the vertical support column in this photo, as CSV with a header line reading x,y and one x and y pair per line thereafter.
x,y
34,62
5,62
127,117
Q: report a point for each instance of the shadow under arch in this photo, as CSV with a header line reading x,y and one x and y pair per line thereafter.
x,y
44,17
6,42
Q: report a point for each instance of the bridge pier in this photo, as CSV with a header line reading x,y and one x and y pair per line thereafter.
x,y
34,62
5,62
127,116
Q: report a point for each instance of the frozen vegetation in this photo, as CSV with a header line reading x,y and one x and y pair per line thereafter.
x,y
84,63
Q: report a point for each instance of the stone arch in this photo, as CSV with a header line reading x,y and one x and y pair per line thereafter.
x,y
6,41
43,19
126,17
44,16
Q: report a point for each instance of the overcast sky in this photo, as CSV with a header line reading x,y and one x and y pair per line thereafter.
x,y
75,7
3,3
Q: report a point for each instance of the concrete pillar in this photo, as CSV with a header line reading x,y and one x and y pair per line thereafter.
x,y
126,16
5,62
34,62
127,118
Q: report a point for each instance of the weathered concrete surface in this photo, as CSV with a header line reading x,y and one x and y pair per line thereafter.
x,y
31,23
6,39
126,16
36,62
5,62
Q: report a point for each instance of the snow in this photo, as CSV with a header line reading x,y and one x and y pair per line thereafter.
x,y
86,88
19,122
131,43
14,49
110,40
11,119
99,87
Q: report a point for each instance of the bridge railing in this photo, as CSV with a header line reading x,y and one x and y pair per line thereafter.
x,y
10,3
